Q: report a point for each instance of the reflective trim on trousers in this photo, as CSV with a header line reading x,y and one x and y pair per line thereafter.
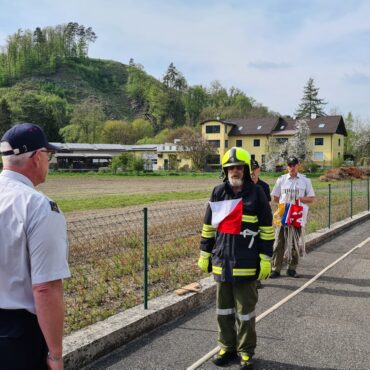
x,y
246,317
225,311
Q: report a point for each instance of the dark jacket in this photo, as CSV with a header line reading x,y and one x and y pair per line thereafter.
x,y
266,188
236,257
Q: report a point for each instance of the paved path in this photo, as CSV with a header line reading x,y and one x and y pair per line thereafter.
x,y
325,326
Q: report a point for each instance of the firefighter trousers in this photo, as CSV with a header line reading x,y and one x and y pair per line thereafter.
x,y
236,316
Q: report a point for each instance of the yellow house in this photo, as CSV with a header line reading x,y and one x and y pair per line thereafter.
x,y
253,134
170,157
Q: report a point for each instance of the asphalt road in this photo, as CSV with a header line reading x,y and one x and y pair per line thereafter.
x,y
325,326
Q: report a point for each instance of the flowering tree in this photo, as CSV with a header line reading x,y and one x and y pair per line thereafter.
x,y
277,152
299,145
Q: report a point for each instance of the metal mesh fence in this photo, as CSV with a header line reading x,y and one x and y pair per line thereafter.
x,y
107,254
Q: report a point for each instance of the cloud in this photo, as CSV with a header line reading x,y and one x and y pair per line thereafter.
x,y
257,45
269,65
357,78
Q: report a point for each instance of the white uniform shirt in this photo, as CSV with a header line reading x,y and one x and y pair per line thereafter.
x,y
288,189
33,241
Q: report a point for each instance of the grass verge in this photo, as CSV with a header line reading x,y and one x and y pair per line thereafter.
x,y
118,201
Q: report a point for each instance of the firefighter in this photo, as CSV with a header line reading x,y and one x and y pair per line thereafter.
x,y
236,245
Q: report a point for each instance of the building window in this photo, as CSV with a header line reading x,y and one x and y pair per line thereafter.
x,y
214,143
282,140
319,141
256,142
338,142
239,143
212,129
318,156
226,143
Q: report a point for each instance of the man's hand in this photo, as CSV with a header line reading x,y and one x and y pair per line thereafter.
x,y
204,261
265,267
54,365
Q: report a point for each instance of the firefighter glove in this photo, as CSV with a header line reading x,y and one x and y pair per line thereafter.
x,y
265,267
204,261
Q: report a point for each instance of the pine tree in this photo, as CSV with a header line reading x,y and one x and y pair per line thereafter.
x,y
311,104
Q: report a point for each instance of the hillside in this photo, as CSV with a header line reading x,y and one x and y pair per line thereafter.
x,y
47,77
72,83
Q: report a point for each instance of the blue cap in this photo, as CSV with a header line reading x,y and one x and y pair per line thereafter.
x,y
25,137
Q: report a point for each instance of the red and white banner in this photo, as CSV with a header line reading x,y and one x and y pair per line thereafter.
x,y
227,215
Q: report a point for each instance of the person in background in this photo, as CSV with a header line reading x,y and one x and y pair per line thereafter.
x,y
292,190
236,245
256,170
256,179
33,255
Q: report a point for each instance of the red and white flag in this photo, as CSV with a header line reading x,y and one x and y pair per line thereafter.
x,y
227,215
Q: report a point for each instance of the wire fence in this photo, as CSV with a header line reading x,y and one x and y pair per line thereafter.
x,y
107,252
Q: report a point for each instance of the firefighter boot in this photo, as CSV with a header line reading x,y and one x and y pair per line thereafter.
x,y
223,358
246,362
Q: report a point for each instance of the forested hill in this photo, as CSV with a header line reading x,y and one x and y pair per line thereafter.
x,y
47,77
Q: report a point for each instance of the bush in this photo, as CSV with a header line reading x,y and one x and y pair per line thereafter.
x,y
127,162
310,167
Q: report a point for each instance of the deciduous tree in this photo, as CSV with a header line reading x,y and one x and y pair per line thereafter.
x,y
5,116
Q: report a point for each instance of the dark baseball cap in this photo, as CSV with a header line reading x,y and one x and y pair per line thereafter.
x,y
255,164
292,160
25,137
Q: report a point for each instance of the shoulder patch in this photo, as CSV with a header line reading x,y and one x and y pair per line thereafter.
x,y
54,206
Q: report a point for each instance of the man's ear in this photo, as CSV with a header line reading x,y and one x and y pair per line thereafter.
x,y
36,159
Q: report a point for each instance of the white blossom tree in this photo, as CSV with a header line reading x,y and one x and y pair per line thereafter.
x,y
299,145
277,152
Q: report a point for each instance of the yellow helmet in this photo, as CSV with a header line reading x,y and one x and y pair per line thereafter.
x,y
234,157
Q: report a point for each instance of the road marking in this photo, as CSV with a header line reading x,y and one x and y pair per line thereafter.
x,y
280,303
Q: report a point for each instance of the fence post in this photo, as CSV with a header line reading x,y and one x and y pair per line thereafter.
x,y
329,220
351,198
145,258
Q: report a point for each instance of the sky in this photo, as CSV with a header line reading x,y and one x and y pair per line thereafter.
x,y
266,48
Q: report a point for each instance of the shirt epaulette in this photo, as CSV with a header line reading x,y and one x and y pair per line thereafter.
x,y
54,206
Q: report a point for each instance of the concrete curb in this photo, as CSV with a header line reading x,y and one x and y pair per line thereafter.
x,y
85,345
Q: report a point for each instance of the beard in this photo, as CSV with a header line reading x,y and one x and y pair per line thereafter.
x,y
236,182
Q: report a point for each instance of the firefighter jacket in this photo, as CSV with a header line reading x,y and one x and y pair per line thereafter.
x,y
235,255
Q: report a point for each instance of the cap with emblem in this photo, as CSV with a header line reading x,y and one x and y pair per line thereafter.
x,y
292,161
255,164
23,138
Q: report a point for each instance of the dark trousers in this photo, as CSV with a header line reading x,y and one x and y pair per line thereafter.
x,y
236,317
22,344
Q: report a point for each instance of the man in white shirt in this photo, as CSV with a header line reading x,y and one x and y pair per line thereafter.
x,y
33,255
289,189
